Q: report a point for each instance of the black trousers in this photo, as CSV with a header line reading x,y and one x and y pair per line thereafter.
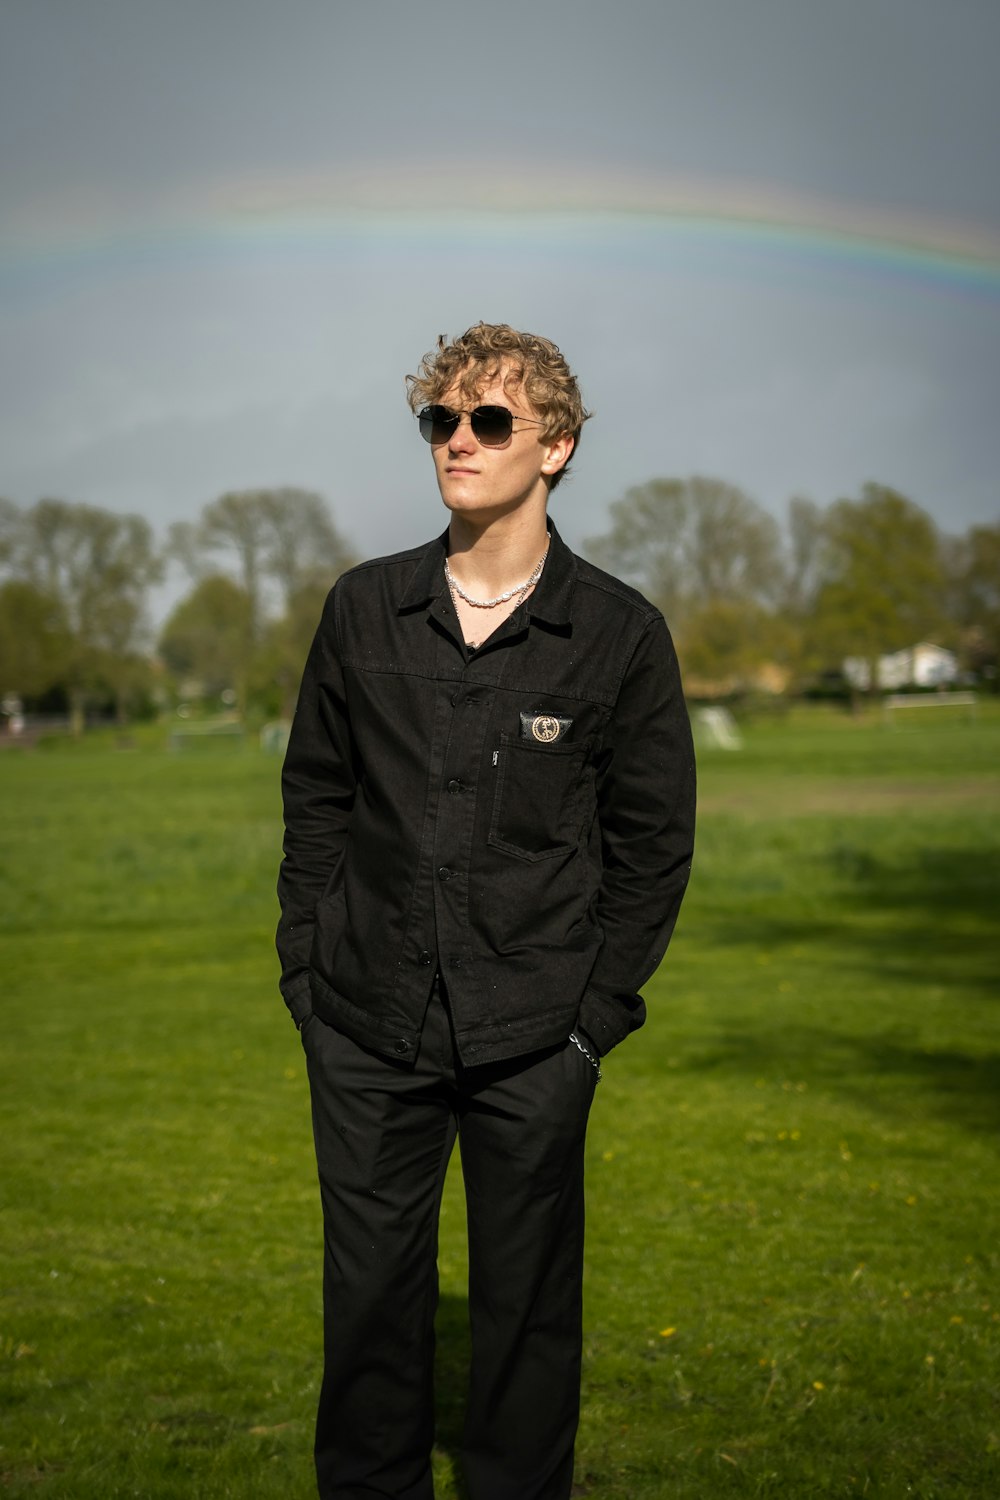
x,y
384,1132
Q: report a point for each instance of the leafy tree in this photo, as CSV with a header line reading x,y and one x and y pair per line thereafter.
x,y
724,642
881,577
35,643
208,637
972,564
98,566
289,642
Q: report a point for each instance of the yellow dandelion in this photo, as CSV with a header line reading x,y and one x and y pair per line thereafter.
x,y
818,1385
667,1333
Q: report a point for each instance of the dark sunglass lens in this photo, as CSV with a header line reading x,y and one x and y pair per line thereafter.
x,y
437,423
492,425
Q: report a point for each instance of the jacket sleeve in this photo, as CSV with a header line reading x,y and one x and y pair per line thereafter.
x,y
318,784
645,808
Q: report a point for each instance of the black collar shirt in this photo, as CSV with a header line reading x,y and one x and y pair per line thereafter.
x,y
518,817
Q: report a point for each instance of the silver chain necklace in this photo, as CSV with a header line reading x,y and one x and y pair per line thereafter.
x,y
520,588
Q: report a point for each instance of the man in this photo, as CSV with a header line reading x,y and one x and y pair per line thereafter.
x,y
489,805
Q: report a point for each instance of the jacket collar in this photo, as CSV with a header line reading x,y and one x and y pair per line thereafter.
x,y
550,602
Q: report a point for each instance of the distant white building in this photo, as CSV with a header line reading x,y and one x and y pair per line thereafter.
x,y
922,665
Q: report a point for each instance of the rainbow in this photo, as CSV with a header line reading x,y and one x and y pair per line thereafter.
x,y
607,215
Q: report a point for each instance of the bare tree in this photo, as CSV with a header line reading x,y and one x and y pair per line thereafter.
x,y
805,539
285,537
236,524
11,522
647,544
302,543
689,542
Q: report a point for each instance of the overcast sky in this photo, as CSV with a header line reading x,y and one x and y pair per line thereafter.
x,y
766,233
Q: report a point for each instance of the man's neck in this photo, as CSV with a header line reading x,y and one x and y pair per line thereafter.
x,y
489,557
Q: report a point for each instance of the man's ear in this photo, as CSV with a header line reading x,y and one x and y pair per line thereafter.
x,y
558,453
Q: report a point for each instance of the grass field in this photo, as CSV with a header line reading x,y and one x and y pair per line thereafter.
x,y
794,1215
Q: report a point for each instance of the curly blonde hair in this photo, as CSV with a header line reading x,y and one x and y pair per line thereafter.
x,y
527,363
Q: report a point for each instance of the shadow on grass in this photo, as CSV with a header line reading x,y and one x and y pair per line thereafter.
x,y
961,1088
952,886
929,914
924,918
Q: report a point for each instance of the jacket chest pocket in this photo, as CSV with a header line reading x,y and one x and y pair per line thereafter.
x,y
538,798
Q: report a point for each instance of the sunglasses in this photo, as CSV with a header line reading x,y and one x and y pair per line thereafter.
x,y
491,425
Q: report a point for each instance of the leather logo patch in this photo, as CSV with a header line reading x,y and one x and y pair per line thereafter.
x,y
543,728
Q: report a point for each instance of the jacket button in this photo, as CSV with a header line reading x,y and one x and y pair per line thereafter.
x,y
402,1045
444,873
455,786
424,957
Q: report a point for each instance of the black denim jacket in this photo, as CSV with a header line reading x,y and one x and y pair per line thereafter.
x,y
520,816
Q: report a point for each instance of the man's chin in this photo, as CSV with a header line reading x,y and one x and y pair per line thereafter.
x,y
476,507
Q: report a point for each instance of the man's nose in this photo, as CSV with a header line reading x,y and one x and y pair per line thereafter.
x,y
463,439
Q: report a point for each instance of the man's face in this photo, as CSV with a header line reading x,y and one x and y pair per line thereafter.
x,y
478,481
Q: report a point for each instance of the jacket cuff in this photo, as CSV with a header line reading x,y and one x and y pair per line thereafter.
x,y
298,999
608,1019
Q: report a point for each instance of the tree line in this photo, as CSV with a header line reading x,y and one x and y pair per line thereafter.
x,y
75,584
751,602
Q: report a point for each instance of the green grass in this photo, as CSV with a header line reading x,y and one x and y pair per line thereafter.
x,y
794,1222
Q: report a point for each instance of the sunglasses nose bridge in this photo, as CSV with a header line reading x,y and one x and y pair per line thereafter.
x,y
463,420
